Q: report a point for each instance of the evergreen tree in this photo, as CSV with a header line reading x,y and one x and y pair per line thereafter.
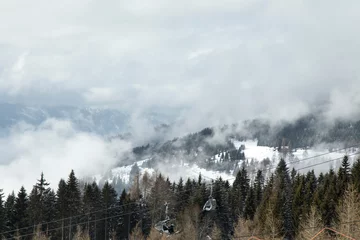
x,y
355,173
21,206
49,211
223,213
91,207
34,209
10,215
124,220
298,200
250,204
344,176
62,210
284,200
2,213
43,190
329,200
73,201
37,210
109,197
239,192
309,191
258,187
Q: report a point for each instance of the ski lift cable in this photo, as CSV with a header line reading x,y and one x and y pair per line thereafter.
x,y
297,161
84,214
84,222
327,161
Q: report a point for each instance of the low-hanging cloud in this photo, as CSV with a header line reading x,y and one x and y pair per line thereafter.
x,y
54,148
220,62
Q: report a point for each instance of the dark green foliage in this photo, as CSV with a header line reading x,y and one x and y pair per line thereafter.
x,y
239,193
284,200
2,213
73,202
258,188
21,206
344,176
109,198
250,204
10,215
355,173
286,197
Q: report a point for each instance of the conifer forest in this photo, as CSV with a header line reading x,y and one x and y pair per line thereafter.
x,y
285,205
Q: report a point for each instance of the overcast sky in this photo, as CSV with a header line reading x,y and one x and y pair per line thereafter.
x,y
232,57
222,61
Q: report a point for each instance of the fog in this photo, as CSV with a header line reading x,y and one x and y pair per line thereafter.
x,y
210,62
54,148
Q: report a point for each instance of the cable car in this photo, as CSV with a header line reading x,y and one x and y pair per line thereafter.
x,y
210,204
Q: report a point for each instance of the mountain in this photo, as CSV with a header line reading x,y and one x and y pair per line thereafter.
x,y
102,121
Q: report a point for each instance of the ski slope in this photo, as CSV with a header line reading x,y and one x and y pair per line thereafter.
x,y
299,159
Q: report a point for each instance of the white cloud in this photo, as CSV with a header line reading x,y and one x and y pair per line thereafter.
x,y
236,58
100,95
53,148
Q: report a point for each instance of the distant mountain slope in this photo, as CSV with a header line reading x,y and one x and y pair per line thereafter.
x,y
97,120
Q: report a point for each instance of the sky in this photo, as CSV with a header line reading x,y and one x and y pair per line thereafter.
x,y
219,61
234,57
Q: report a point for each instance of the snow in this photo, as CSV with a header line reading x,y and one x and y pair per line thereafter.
x,y
208,175
254,154
298,158
174,172
253,151
124,172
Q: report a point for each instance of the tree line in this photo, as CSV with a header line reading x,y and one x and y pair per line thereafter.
x,y
287,205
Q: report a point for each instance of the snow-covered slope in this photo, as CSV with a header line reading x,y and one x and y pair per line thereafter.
x,y
299,159
257,157
173,171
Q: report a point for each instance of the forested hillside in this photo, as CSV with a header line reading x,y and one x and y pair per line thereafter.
x,y
287,205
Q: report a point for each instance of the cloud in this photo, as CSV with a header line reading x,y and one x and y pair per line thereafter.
x,y
100,95
221,62
54,148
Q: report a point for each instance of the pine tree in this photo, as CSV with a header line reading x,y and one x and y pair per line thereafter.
x,y
284,200
73,201
328,200
10,215
2,213
109,197
344,176
43,190
21,209
266,202
62,209
223,213
258,188
310,189
37,210
49,211
91,206
298,200
34,209
355,173
239,192
250,204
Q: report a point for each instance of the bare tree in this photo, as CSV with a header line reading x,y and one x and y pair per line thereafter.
x,y
350,213
310,225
